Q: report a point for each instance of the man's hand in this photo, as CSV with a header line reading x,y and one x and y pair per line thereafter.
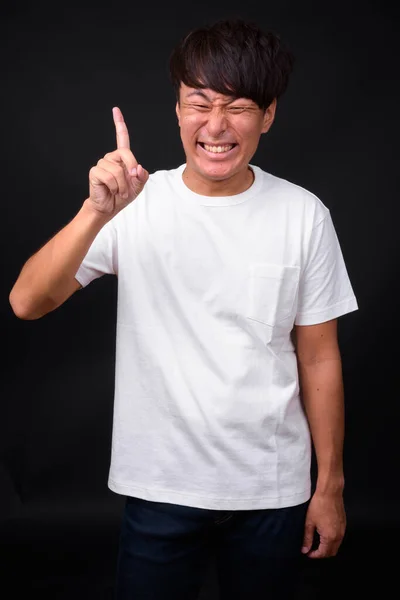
x,y
118,178
325,515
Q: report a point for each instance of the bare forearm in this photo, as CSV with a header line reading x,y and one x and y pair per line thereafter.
x,y
46,278
323,398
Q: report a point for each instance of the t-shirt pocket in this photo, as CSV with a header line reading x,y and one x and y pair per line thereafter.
x,y
272,293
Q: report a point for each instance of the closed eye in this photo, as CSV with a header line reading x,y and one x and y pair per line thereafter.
x,y
238,109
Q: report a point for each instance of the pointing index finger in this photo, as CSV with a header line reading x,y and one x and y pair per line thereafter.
x,y
121,129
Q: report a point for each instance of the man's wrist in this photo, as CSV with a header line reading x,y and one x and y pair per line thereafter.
x,y
96,217
330,485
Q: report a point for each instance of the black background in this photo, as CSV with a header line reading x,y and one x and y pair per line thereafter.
x,y
336,134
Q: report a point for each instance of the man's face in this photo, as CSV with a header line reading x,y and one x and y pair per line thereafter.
x,y
219,134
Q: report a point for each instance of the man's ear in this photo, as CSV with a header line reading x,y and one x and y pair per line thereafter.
x,y
269,116
178,113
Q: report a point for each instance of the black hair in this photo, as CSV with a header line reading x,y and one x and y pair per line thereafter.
x,y
234,58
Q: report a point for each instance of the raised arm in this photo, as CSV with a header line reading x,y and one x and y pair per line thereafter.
x,y
47,279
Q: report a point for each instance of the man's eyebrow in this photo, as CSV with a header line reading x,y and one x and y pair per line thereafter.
x,y
198,93
204,95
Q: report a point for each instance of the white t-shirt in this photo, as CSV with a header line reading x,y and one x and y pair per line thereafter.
x,y
206,408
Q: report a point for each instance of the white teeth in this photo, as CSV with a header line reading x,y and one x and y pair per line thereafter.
x,y
218,149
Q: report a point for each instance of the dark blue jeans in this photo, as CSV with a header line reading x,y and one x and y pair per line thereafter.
x,y
165,551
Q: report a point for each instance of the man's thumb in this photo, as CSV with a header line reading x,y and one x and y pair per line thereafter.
x,y
139,175
308,537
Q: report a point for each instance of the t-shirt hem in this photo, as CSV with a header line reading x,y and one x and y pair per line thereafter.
x,y
82,277
195,501
337,310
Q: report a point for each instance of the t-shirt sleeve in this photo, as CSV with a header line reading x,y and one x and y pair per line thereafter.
x,y
325,291
101,258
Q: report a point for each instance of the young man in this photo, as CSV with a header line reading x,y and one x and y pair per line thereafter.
x,y
219,263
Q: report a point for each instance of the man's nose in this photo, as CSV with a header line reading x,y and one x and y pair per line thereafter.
x,y
217,122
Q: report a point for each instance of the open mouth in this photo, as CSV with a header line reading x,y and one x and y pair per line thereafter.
x,y
218,150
